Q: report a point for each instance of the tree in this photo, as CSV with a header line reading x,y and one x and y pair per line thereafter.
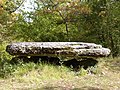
x,y
67,10
8,16
96,20
72,20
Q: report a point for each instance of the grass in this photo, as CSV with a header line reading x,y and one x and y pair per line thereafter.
x,y
41,76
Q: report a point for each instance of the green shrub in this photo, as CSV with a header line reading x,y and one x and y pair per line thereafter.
x,y
6,69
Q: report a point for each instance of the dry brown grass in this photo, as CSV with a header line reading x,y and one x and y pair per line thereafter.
x,y
107,77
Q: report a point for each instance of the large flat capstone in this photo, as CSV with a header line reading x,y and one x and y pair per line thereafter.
x,y
56,49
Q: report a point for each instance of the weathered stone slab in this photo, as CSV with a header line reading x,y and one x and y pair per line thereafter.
x,y
56,49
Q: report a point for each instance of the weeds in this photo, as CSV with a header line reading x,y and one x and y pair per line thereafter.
x,y
6,68
46,70
43,75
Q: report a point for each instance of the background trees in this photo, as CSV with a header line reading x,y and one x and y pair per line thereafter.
x,y
8,17
95,21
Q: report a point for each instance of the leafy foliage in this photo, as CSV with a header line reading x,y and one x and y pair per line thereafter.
x,y
95,21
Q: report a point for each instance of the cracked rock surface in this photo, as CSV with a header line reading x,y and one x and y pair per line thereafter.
x,y
57,49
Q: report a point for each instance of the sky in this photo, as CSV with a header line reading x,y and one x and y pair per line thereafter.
x,y
28,6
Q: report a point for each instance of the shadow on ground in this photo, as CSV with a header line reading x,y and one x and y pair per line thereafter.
x,y
73,63
84,63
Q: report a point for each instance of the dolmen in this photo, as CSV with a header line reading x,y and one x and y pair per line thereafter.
x,y
57,49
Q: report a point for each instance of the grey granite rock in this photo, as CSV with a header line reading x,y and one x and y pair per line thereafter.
x,y
57,49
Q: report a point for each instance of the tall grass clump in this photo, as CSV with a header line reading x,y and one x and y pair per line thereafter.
x,y
42,72
5,67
